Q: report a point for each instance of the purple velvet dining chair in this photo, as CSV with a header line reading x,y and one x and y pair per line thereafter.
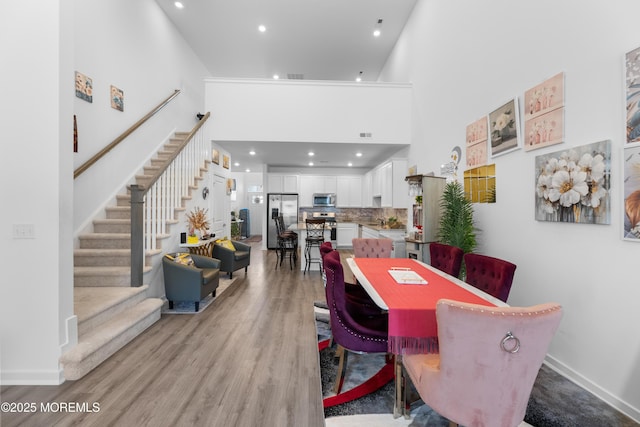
x,y
351,329
491,275
488,361
446,258
355,293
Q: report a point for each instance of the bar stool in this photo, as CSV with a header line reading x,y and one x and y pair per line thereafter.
x,y
315,238
287,243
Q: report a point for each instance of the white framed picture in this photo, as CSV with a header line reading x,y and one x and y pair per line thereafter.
x,y
504,128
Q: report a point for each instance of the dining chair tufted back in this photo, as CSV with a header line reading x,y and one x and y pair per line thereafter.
x,y
488,361
491,275
446,258
372,248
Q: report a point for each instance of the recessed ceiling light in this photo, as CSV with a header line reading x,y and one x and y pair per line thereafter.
x,y
179,5
252,153
276,77
262,28
359,78
310,163
236,164
247,170
349,164
311,153
377,29
358,154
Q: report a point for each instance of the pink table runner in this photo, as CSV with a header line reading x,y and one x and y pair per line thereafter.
x,y
412,308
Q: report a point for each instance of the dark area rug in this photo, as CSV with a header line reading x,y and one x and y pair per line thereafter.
x,y
555,401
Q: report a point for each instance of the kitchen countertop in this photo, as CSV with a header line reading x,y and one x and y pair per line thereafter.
x,y
373,226
378,227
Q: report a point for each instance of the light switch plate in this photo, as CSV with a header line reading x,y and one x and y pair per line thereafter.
x,y
24,231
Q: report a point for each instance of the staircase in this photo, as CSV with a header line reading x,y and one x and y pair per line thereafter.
x,y
111,312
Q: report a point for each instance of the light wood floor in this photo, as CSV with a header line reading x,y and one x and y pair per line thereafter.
x,y
249,359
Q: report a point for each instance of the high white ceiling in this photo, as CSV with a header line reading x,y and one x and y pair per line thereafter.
x,y
308,39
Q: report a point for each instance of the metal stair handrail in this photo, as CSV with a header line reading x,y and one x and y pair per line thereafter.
x,y
153,203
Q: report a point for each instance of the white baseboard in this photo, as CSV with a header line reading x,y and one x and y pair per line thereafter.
x,y
53,377
593,388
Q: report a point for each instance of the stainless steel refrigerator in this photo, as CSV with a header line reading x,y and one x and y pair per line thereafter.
x,y
285,204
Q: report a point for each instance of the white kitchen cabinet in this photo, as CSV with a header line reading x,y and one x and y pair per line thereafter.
x,y
305,195
391,188
310,184
346,232
280,183
386,185
367,196
349,192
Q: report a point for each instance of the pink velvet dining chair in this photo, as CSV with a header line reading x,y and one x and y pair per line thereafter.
x,y
491,275
488,361
372,248
446,258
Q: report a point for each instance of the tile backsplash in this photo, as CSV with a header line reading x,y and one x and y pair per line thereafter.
x,y
359,214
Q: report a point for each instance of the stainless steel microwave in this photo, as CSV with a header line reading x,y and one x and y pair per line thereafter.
x,y
324,200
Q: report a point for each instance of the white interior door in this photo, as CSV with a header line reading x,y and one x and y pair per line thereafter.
x,y
220,209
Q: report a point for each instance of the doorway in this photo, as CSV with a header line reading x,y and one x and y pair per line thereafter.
x,y
220,208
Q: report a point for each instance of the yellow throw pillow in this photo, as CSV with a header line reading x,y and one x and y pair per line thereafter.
x,y
181,258
227,244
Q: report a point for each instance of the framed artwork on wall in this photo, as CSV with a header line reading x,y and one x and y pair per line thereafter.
x,y
544,114
632,70
574,185
631,194
84,87
504,128
215,156
476,149
117,98
225,161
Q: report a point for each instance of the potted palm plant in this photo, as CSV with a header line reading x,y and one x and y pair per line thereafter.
x,y
456,223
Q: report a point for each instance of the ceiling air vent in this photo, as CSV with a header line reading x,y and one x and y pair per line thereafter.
x,y
365,134
295,76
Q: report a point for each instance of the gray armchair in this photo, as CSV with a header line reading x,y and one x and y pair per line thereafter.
x,y
230,260
190,282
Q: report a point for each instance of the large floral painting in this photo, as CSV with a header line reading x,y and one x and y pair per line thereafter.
x,y
574,185
632,193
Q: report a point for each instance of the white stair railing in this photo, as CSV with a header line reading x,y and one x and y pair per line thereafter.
x,y
154,204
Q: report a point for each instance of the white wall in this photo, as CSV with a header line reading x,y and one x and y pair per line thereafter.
x,y
128,44
133,46
308,111
36,299
465,58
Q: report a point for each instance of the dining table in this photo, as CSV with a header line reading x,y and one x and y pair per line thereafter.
x,y
409,290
